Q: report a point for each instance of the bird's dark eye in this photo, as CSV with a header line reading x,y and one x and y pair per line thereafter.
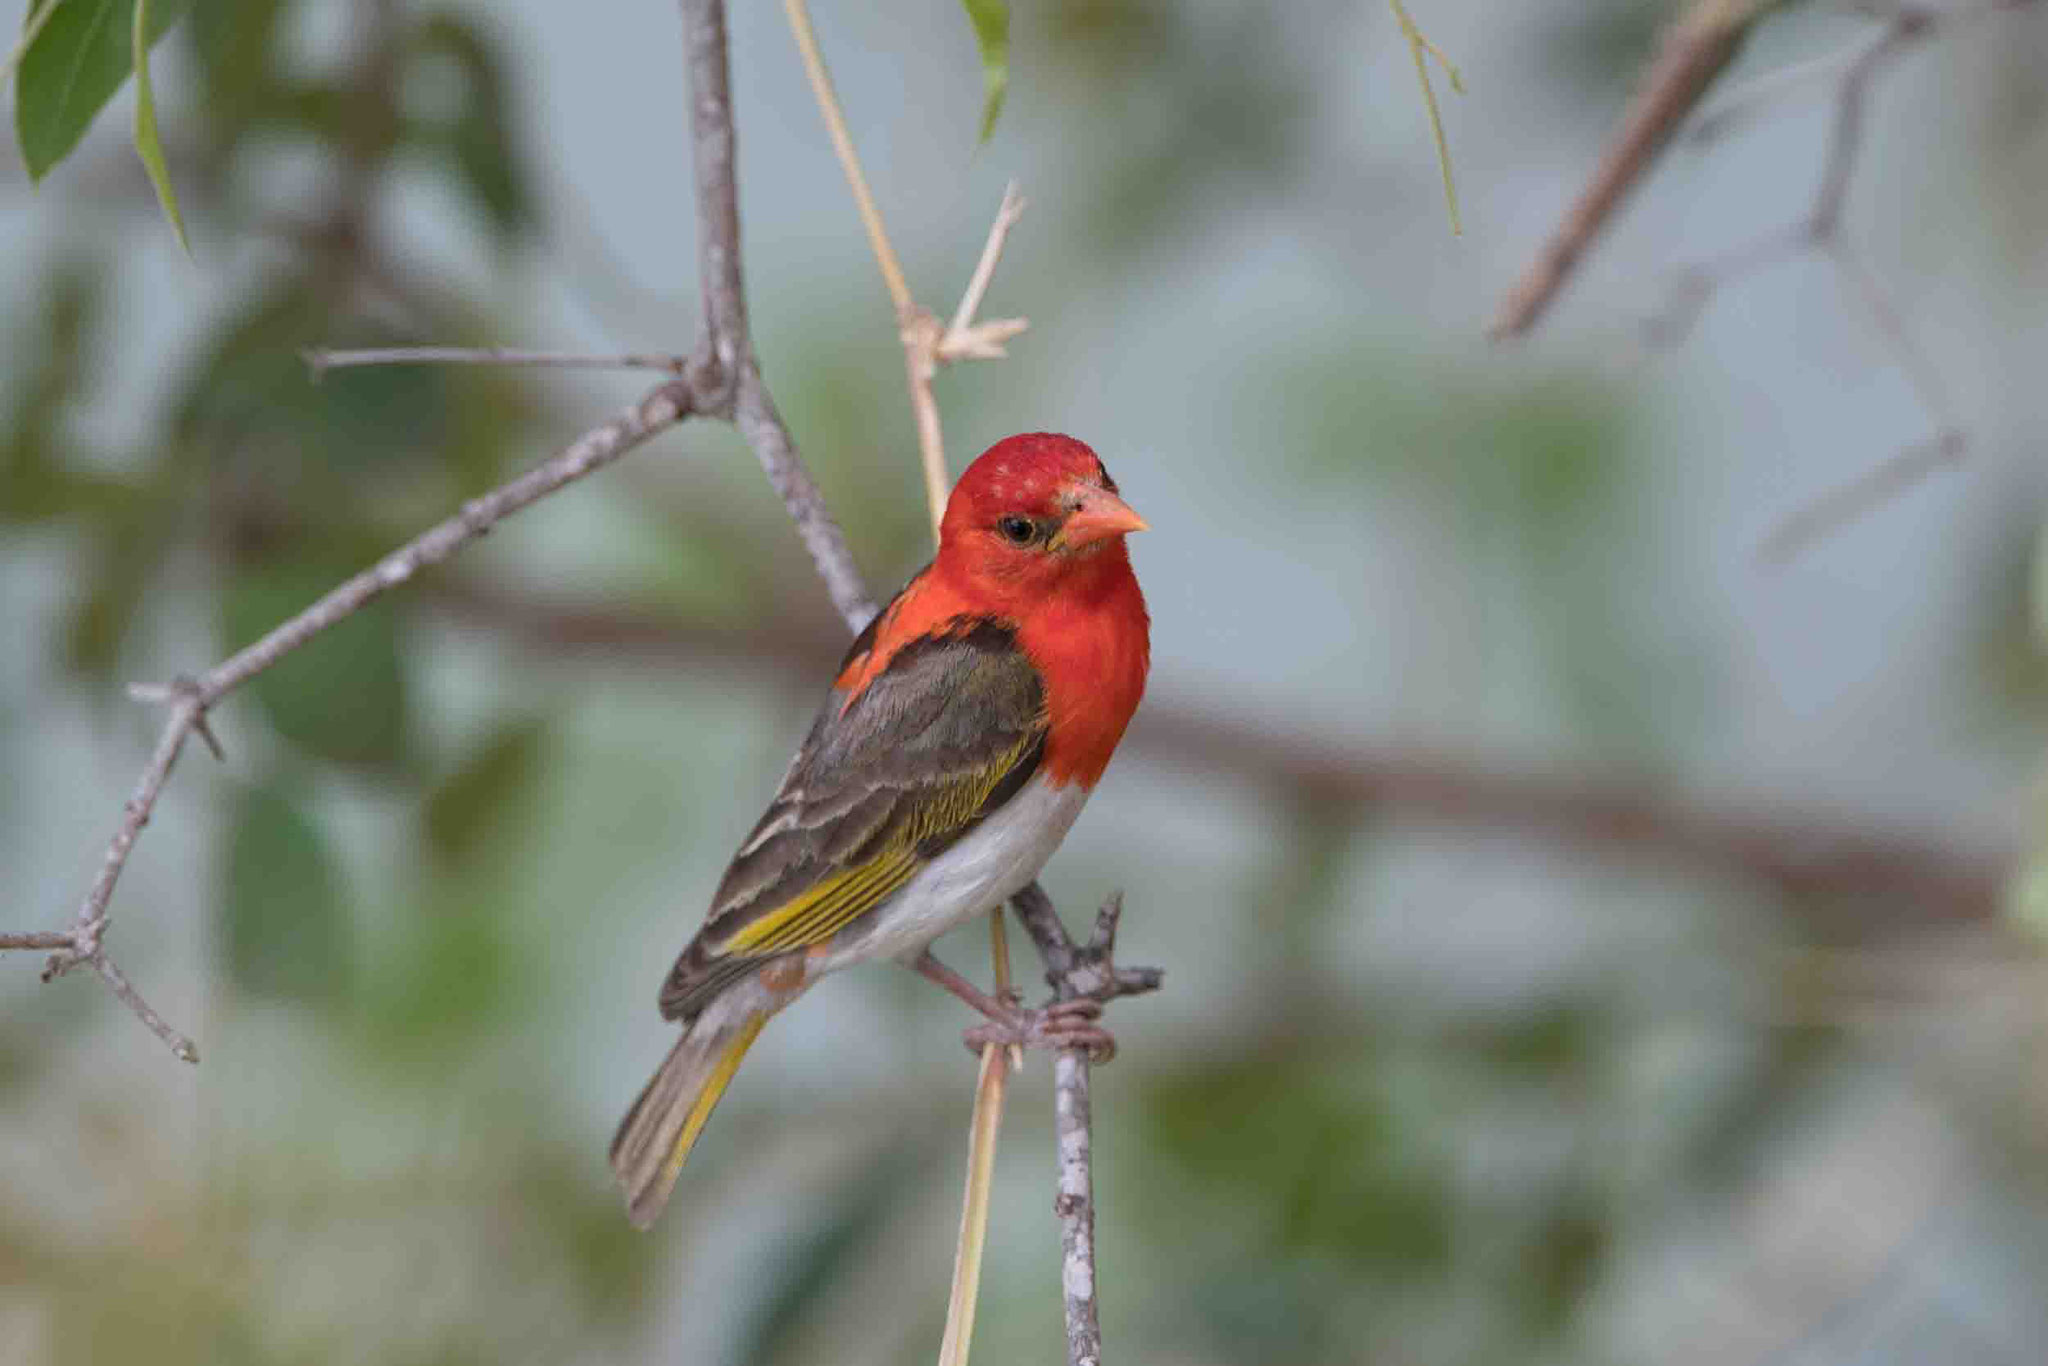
x,y
1017,530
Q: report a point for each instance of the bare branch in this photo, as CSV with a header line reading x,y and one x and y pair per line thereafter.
x,y
189,698
1697,48
1699,44
1821,230
320,360
927,343
957,343
747,402
117,982
92,912
1873,488
1754,98
35,939
1078,973
759,422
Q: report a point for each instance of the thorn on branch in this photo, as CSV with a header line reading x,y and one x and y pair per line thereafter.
x,y
183,688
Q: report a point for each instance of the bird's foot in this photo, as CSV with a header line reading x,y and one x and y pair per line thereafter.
x,y
1060,1025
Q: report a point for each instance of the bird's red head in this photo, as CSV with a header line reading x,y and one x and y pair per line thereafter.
x,y
1036,515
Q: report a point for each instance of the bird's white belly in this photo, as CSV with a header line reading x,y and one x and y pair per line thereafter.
x,y
977,874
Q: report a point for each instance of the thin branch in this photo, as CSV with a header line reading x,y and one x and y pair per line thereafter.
x,y
320,360
927,343
1076,973
1860,877
1699,44
986,1122
727,338
189,698
1821,230
961,333
1752,99
36,939
761,424
117,981
1872,489
849,161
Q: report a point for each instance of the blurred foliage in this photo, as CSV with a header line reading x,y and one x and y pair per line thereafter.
x,y
341,696
1212,108
1536,477
284,905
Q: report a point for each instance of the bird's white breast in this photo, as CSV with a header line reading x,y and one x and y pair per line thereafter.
x,y
978,873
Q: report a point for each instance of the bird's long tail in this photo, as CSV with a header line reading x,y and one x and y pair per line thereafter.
x,y
657,1134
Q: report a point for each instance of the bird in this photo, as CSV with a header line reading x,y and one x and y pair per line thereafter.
x,y
962,734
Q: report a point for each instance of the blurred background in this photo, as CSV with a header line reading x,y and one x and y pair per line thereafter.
x,y
1584,942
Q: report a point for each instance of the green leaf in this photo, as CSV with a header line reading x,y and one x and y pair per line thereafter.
x,y
147,145
342,695
991,20
31,29
73,67
465,809
286,921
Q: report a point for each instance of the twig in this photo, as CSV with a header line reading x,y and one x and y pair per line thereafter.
x,y
36,939
1871,489
190,698
1699,44
991,1084
1076,972
1751,99
1821,231
117,982
927,343
320,360
727,339
1422,49
721,380
849,161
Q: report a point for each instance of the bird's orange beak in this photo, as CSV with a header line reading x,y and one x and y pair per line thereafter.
x,y
1101,514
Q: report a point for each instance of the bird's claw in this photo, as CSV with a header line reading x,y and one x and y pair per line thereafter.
x,y
1060,1025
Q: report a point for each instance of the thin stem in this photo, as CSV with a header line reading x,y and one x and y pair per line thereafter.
x,y
1007,214
35,939
117,982
849,161
320,360
1699,44
991,1087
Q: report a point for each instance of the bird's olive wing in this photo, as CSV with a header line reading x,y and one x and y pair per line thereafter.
x,y
950,730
